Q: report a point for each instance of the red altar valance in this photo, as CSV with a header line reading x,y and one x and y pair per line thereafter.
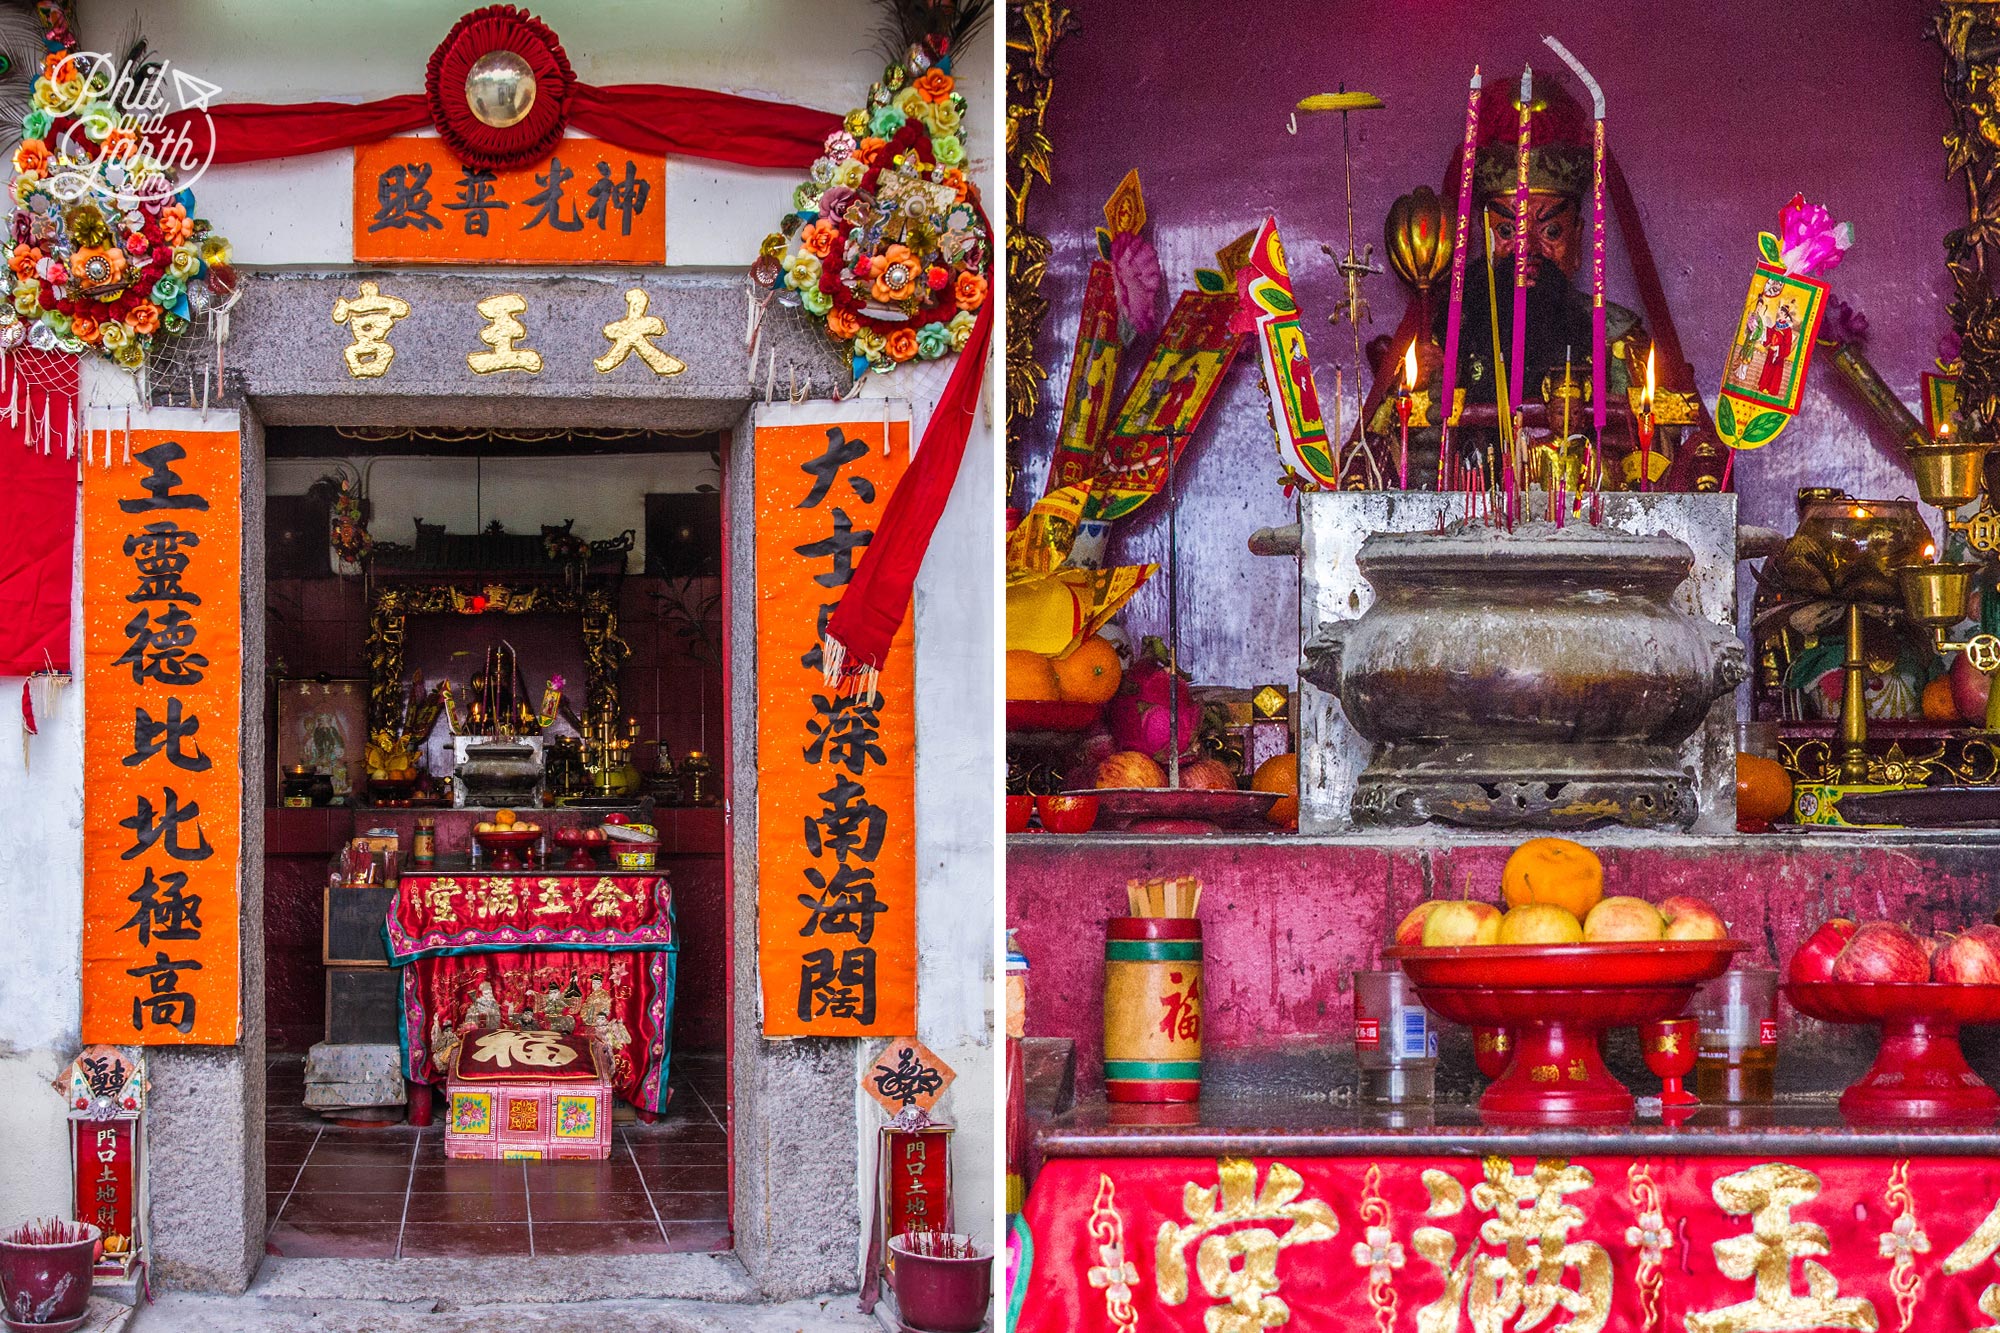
x,y
1708,1243
433,914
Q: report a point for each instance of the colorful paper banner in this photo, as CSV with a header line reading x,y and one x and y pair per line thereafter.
x,y
1765,378
1296,415
836,798
1709,1244
589,202
163,707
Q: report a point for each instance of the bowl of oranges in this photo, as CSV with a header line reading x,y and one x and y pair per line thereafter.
x,y
505,838
1062,693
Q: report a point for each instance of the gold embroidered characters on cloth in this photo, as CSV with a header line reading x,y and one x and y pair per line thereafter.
x,y
1114,1274
1532,1212
1767,1194
1240,1267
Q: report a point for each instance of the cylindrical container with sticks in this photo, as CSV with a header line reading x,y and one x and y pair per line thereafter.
x,y
1153,995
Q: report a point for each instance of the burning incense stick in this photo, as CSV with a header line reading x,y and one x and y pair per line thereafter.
x,y
1519,346
1597,400
1448,384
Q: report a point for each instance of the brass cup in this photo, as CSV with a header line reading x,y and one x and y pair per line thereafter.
x,y
1949,474
1937,596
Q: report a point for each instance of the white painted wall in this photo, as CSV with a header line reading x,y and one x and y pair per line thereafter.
x,y
297,213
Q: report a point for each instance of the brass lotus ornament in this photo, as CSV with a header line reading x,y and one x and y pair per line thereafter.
x,y
1418,236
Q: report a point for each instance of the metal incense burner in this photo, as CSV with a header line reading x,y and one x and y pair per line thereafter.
x,y
1541,678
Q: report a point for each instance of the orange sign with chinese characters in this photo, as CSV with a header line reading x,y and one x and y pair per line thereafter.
x,y
836,766
587,203
163,707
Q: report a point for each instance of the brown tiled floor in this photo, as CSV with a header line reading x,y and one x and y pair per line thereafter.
x,y
335,1192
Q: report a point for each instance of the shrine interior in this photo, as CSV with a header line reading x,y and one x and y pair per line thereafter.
x,y
560,595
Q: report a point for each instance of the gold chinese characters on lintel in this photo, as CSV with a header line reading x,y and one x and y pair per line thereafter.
x,y
371,316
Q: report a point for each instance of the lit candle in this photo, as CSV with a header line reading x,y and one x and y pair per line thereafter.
x,y
1646,429
1518,368
1403,413
1449,375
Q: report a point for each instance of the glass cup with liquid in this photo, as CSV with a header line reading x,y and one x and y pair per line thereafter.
x,y
1395,1041
1736,1056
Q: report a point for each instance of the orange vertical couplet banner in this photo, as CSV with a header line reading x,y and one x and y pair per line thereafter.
x,y
836,767
163,785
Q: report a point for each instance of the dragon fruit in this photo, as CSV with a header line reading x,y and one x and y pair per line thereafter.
x,y
1140,719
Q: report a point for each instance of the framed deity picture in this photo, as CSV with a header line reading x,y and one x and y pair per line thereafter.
x,y
323,724
1773,342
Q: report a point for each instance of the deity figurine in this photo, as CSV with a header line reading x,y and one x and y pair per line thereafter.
x,y
1555,231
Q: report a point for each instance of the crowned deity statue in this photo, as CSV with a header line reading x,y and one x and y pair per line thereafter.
x,y
1554,229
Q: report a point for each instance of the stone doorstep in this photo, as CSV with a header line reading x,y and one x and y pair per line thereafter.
x,y
185,1313
463,1283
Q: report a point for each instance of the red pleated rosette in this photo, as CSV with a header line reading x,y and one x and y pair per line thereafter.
x,y
483,31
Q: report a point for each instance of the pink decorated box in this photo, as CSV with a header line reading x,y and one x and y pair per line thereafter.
x,y
515,1094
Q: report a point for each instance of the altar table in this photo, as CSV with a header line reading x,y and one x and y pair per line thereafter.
x,y
594,950
1268,1212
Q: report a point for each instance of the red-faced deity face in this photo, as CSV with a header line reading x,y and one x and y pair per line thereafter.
x,y
1554,229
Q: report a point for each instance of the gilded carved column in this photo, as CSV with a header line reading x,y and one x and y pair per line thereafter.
x,y
1034,29
1969,32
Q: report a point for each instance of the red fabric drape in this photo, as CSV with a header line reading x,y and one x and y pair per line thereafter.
x,y
642,118
37,522
873,607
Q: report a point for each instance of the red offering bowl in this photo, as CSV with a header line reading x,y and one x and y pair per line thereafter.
x,y
506,848
578,842
1920,1074
1068,813
1051,714
1555,999
1019,808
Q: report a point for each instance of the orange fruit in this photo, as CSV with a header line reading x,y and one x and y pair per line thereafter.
x,y
1940,705
1280,773
504,817
1091,673
1031,677
1764,788
1555,871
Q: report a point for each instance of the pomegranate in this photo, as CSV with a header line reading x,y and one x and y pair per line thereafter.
x,y
1207,775
1968,689
1971,959
1882,951
1814,959
1140,718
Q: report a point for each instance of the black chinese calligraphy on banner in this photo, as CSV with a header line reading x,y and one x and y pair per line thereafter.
x,y
162,805
836,795
589,202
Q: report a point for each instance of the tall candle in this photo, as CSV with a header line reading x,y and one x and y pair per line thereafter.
x,y
1403,413
1456,311
1518,370
1598,404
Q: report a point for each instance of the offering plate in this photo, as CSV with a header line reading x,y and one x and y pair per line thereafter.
x,y
507,848
1920,1073
1179,809
1556,999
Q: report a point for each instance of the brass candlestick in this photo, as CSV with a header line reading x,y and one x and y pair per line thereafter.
x,y
1950,475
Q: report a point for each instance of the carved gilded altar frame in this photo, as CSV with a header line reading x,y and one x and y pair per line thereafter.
x,y
391,606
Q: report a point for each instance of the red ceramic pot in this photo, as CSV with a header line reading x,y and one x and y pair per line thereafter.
x,y
1018,810
942,1295
1492,1048
47,1287
1068,813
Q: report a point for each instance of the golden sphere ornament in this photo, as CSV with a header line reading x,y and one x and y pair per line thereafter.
x,y
500,89
1418,236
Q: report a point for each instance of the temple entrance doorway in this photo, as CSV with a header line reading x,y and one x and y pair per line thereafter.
x,y
496,901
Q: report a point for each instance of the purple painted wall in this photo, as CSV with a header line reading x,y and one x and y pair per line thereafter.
x,y
1288,920
1840,99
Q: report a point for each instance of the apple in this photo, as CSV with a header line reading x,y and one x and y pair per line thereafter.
x,y
1540,923
1971,959
1129,768
1814,959
1460,921
1969,687
1207,775
1623,919
1692,919
1410,930
1882,951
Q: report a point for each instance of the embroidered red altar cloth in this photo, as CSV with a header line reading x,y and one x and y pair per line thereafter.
x,y
1713,1244
589,953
